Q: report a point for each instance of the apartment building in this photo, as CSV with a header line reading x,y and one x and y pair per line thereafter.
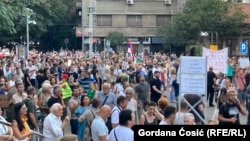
x,y
136,19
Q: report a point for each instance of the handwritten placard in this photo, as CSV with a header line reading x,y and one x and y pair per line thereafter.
x,y
193,65
244,62
193,84
217,59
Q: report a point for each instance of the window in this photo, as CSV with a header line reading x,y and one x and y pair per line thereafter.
x,y
162,19
104,20
134,20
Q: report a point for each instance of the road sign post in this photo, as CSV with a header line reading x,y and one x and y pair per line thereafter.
x,y
243,48
66,41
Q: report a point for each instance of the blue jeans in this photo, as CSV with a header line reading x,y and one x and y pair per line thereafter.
x,y
74,126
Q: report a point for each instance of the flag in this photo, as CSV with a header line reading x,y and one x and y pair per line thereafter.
x,y
130,49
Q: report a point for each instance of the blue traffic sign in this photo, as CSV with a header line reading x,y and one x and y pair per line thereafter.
x,y
66,40
243,48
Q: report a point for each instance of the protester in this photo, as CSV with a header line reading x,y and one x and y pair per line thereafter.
x,y
31,110
189,119
53,125
151,116
123,131
169,116
21,129
81,109
6,132
99,130
229,112
89,116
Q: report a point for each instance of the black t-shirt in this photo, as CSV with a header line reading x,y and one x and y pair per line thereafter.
x,y
53,100
210,76
136,75
73,75
229,111
176,87
131,70
157,84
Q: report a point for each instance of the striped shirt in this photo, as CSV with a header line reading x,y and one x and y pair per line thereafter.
x,y
85,83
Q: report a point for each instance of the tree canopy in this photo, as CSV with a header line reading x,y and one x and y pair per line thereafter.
x,y
55,17
116,39
203,15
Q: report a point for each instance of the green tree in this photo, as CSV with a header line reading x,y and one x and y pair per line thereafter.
x,y
55,21
116,39
9,11
203,15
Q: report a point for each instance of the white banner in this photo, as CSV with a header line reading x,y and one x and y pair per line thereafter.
x,y
217,59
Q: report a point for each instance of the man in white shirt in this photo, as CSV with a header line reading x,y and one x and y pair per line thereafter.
x,y
122,103
123,131
32,73
53,125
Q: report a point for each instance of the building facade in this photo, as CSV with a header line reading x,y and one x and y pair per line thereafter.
x,y
136,19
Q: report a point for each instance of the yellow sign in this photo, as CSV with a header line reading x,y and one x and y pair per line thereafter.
x,y
213,47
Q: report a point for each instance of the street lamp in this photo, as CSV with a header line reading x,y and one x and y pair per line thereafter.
x,y
205,34
27,31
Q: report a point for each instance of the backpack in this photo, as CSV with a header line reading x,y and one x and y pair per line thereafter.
x,y
89,125
108,123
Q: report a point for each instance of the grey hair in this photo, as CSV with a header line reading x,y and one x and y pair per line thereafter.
x,y
56,88
107,84
190,115
55,107
45,86
129,90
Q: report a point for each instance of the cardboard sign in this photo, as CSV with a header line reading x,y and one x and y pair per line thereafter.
x,y
217,59
4,101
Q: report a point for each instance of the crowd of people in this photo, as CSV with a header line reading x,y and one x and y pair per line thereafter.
x,y
102,97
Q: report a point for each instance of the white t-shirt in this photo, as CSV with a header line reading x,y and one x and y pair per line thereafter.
x,y
115,115
179,118
163,123
122,133
132,105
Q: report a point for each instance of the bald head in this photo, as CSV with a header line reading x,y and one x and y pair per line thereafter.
x,y
105,111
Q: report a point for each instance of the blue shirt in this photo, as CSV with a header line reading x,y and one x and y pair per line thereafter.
x,y
85,83
98,128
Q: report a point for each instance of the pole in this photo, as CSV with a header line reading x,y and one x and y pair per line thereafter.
x,y
91,9
18,51
82,25
27,34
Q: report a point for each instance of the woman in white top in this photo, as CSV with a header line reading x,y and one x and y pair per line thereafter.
x,y
132,103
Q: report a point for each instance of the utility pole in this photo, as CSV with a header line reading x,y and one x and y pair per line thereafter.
x,y
27,36
27,31
82,25
91,10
